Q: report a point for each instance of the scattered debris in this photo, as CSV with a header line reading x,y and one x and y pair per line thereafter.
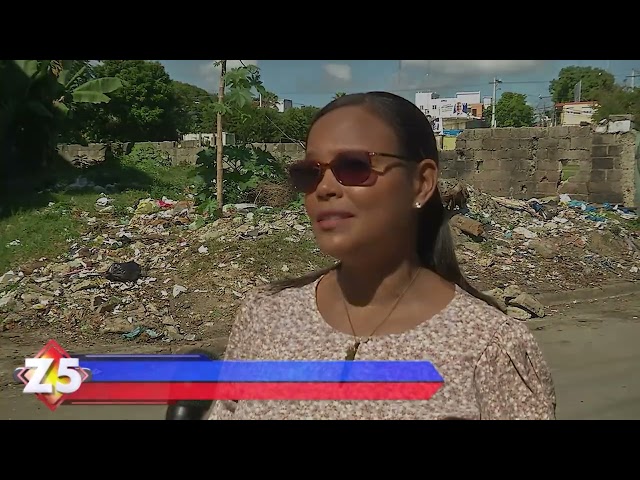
x,y
549,244
128,276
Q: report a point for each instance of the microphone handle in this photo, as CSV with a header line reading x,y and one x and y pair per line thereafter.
x,y
191,409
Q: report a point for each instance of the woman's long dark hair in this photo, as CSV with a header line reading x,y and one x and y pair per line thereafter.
x,y
417,142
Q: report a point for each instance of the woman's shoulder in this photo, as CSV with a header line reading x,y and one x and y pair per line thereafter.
x,y
511,375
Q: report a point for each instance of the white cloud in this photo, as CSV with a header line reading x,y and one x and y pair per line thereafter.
x,y
210,73
338,71
474,67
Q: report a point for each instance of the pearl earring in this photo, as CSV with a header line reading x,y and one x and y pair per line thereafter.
x,y
418,205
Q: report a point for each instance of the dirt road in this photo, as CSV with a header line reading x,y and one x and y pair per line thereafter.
x,y
591,346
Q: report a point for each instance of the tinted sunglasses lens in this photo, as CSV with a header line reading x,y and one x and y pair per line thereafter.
x,y
304,176
352,169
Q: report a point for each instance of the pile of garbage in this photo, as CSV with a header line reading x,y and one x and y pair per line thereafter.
x,y
126,274
544,245
129,275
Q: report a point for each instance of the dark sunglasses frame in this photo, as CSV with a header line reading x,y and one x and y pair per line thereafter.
x,y
334,166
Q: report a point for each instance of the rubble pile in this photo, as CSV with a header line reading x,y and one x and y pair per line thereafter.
x,y
543,245
127,275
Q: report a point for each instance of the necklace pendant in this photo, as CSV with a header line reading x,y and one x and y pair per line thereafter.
x,y
351,352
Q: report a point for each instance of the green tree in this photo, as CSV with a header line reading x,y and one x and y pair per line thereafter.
x,y
255,125
593,79
512,111
195,111
297,121
144,109
617,101
487,115
339,94
268,100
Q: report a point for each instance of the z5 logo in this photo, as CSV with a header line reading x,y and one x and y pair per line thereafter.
x,y
41,367
51,375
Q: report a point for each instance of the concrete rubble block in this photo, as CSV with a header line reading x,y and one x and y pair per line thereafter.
x,y
518,313
529,304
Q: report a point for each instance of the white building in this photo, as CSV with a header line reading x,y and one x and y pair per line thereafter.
x,y
284,105
209,139
463,105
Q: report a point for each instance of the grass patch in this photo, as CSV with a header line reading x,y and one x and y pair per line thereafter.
x,y
631,225
43,221
569,170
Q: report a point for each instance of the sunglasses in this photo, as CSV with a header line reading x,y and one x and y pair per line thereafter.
x,y
351,169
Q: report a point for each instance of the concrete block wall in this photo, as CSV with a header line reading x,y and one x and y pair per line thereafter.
x,y
93,153
292,151
520,162
540,162
180,153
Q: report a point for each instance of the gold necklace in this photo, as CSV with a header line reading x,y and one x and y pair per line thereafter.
x,y
353,350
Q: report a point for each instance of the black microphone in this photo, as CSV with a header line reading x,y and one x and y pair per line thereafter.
x,y
191,409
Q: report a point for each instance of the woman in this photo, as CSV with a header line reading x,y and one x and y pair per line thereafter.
x,y
397,293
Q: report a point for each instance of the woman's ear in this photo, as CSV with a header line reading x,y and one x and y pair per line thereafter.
x,y
426,181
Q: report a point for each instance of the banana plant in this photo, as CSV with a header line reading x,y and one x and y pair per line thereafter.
x,y
53,83
92,91
35,96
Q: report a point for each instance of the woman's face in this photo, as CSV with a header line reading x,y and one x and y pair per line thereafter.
x,y
353,221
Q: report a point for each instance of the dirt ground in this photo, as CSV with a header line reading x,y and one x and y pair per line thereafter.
x,y
590,339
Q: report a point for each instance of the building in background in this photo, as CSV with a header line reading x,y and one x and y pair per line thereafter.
x,y
576,113
284,105
209,139
453,114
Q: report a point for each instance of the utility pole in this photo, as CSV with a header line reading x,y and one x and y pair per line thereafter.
x,y
219,147
493,102
633,78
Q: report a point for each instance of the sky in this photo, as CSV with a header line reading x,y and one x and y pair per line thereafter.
x,y
314,82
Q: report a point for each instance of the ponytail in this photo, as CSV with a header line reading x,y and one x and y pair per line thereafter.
x,y
436,249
